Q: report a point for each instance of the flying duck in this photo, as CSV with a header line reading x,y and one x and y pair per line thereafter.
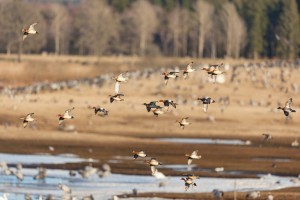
x,y
158,111
194,155
206,101
189,69
287,108
188,182
117,97
153,163
168,102
100,110
29,118
169,75
150,105
31,30
183,122
267,137
192,176
119,79
137,154
66,115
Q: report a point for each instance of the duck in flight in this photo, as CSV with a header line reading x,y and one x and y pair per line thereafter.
x,y
66,115
29,31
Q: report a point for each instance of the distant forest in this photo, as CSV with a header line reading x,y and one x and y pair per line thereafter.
x,y
179,28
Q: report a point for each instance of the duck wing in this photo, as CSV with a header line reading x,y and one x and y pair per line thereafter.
x,y
189,66
25,123
117,87
166,80
205,107
185,75
60,120
67,112
289,103
31,27
173,104
190,161
153,169
25,36
194,153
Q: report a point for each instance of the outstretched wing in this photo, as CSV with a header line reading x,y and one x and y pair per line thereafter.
x,y
67,112
185,75
194,153
173,104
60,120
117,87
190,65
184,120
153,169
30,115
205,107
31,27
25,123
166,80
190,161
289,103
25,36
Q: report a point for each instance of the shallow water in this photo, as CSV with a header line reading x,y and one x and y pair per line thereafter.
x,y
104,188
42,158
205,141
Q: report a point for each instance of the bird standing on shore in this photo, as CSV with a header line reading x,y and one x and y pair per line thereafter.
x,y
253,195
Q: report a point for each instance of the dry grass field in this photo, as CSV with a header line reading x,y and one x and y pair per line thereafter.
x,y
130,127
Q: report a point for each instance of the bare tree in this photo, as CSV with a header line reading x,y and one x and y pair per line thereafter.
x,y
164,32
14,16
145,20
97,25
174,27
60,26
204,16
185,28
235,30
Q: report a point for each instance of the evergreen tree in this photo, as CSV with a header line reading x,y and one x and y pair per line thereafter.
x,y
288,30
256,20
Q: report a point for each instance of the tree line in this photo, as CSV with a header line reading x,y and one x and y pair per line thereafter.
x,y
179,28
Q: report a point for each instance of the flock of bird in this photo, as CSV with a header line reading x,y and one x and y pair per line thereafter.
x,y
189,179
